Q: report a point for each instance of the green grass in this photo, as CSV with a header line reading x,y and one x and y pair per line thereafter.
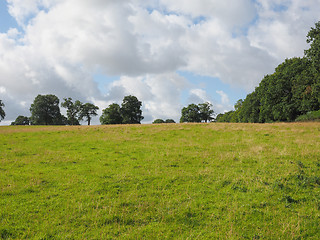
x,y
171,181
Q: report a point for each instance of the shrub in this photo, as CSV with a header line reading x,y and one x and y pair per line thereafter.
x,y
158,121
310,116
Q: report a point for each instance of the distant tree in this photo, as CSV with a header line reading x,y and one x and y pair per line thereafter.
x,y
87,110
190,114
157,121
197,113
205,111
45,111
131,110
73,111
170,121
2,113
111,115
21,120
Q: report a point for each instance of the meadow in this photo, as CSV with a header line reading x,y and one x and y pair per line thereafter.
x,y
166,181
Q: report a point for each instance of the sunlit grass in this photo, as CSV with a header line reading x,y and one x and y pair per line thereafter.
x,y
169,181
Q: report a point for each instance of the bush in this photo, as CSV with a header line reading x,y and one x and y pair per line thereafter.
x,y
158,121
170,121
310,116
21,120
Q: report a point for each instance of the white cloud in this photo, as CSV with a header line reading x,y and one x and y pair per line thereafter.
x,y
231,12
3,90
215,52
224,97
224,105
22,10
283,25
198,96
160,94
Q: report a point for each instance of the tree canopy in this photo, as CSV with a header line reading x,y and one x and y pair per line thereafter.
x,y
73,110
2,113
205,111
197,113
111,115
131,110
129,113
87,111
190,114
45,111
21,120
169,121
313,53
158,121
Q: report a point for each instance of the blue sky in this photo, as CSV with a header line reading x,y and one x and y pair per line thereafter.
x,y
7,21
168,53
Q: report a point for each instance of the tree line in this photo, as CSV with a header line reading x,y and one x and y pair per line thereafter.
x,y
201,112
45,110
293,90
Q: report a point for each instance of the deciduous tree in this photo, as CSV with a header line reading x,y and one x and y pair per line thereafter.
x,y
157,121
170,121
206,111
21,120
73,111
87,111
190,114
45,111
131,110
197,113
313,53
111,115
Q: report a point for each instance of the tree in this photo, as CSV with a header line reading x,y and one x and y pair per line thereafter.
x,y
197,113
131,110
226,117
238,104
2,113
72,111
170,121
87,110
250,109
205,111
292,90
190,114
111,115
21,120
45,111
157,121
313,53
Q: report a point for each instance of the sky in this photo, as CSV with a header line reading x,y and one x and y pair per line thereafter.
x,y
167,53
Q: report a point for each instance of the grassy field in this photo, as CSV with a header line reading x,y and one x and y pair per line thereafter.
x,y
171,181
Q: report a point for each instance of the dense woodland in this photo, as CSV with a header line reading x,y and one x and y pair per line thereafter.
x,y
293,90
291,93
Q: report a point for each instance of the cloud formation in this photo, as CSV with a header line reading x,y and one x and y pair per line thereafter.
x,y
61,45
